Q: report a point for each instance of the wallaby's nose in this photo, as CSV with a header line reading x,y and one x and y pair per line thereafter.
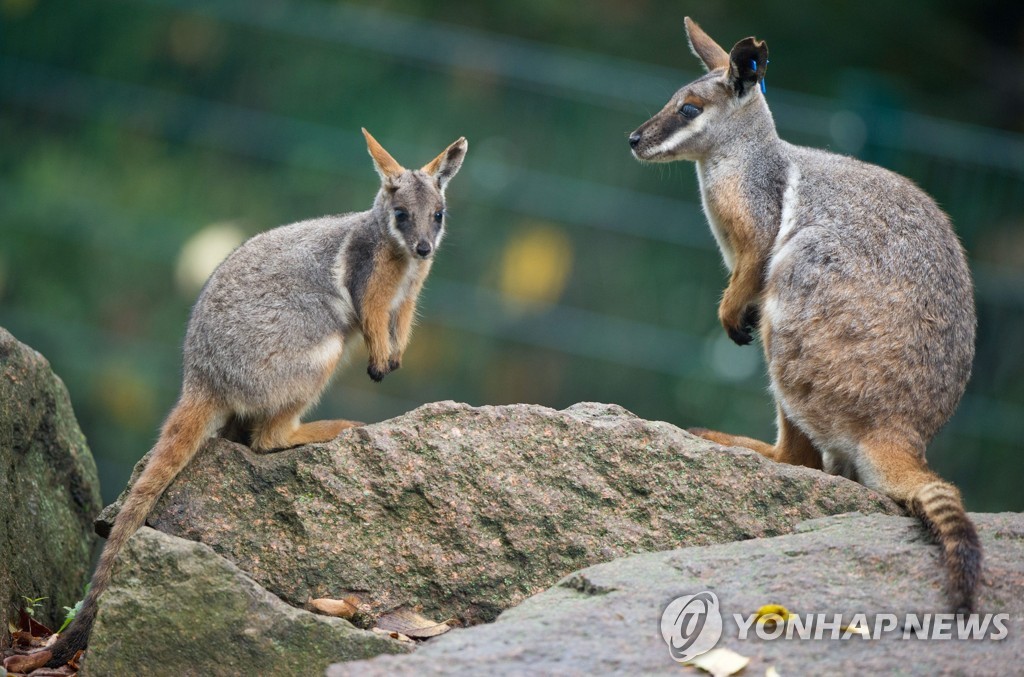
x,y
423,248
634,139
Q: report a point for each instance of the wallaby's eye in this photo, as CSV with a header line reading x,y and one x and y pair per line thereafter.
x,y
689,111
401,216
439,215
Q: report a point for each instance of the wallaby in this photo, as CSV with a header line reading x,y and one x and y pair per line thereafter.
x,y
271,324
856,281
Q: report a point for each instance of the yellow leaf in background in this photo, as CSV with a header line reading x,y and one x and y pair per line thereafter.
x,y
720,662
535,265
771,672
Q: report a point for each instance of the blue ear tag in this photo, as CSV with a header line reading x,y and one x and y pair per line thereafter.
x,y
753,65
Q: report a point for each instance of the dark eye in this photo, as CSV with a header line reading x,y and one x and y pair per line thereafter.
x,y
439,215
689,111
401,216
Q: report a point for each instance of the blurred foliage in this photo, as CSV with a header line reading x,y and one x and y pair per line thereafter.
x,y
140,139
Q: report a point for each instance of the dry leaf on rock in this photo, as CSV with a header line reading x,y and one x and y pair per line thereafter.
x,y
342,608
720,662
392,634
27,662
412,624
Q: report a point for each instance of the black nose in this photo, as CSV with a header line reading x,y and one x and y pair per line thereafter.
x,y
423,248
634,139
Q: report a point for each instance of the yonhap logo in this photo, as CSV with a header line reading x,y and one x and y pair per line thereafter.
x,y
691,625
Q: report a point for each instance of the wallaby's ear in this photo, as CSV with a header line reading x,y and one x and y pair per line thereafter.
x,y
385,165
747,63
446,165
704,48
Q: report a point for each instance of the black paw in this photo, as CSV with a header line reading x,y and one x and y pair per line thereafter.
x,y
740,337
752,318
744,334
394,365
377,374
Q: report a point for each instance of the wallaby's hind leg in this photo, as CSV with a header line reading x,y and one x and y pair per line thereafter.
x,y
285,430
897,468
793,446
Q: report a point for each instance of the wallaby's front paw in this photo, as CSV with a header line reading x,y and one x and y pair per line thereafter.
x,y
377,373
394,364
743,333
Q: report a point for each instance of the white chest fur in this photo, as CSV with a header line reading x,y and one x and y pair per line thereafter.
x,y
406,284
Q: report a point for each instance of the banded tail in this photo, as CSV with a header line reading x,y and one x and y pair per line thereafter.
x,y
939,506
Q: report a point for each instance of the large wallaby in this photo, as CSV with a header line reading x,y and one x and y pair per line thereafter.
x,y
269,329
856,281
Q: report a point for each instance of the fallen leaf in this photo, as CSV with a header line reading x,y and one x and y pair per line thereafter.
x,y
29,624
392,634
720,662
771,672
771,614
62,671
22,639
408,622
27,662
855,629
335,607
75,662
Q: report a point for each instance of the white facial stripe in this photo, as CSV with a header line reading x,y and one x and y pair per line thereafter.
x,y
680,135
393,228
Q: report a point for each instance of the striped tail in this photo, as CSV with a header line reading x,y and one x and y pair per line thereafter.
x,y
187,427
939,506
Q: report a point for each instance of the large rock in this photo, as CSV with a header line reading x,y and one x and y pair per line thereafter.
x,y
175,607
605,619
49,492
468,511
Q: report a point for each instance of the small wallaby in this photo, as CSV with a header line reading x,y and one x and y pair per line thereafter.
x,y
269,329
856,281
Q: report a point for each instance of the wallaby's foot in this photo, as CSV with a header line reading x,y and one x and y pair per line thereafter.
x,y
394,364
793,447
727,440
321,431
284,433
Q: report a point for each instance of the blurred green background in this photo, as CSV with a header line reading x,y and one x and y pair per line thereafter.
x,y
141,140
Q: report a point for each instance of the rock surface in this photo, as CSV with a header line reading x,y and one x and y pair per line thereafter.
x,y
605,619
49,491
468,511
177,608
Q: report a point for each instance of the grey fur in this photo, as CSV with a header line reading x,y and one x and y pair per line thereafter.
x,y
857,281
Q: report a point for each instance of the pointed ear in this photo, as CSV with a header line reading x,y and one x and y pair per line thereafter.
x,y
704,48
446,165
747,63
385,165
